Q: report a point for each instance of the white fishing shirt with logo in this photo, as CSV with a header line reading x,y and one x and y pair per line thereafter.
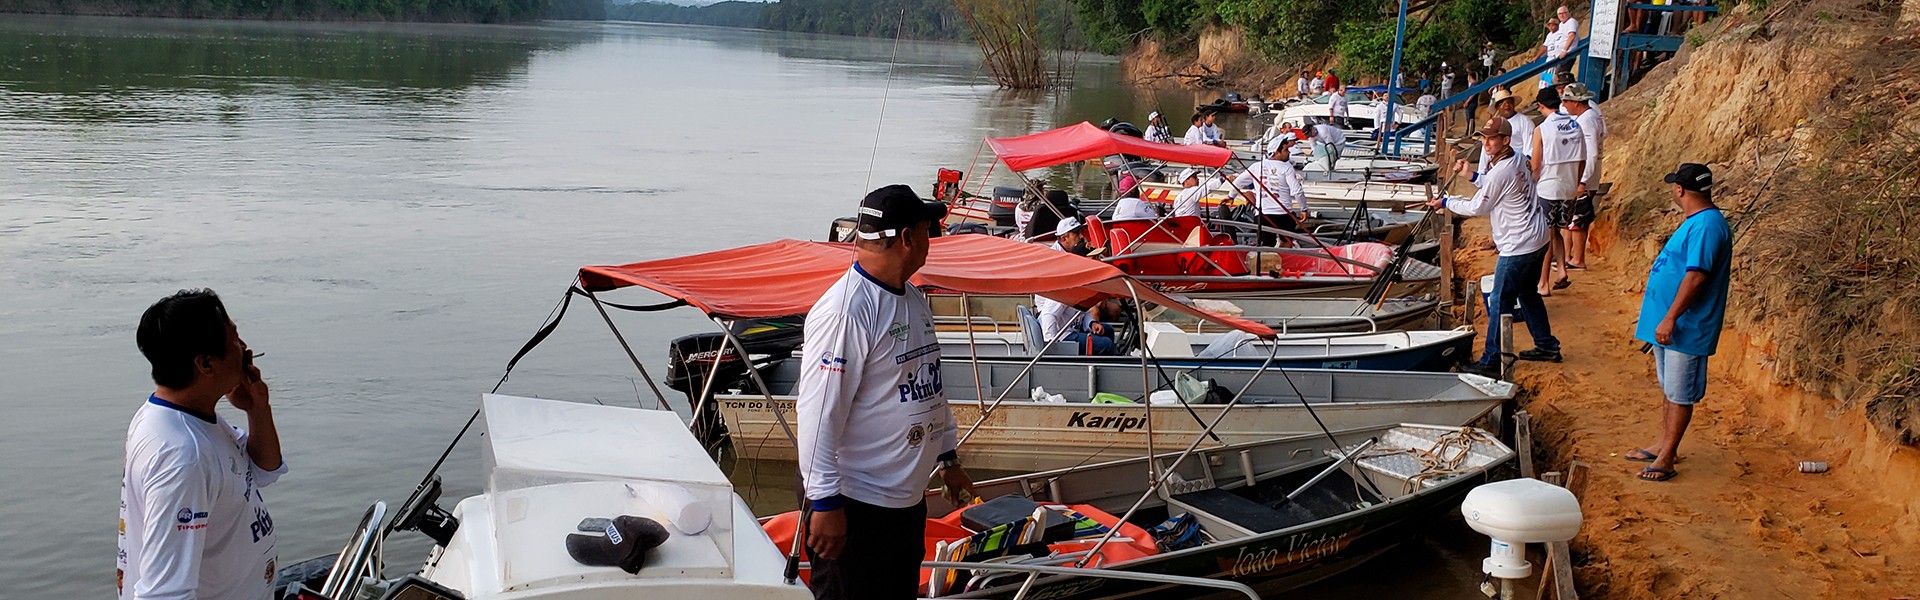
x,y
873,415
193,524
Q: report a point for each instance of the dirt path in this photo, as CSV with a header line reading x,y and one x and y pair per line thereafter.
x,y
1739,521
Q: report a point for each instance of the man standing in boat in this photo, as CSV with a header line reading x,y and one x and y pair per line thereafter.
x,y
192,521
1519,233
1682,311
1274,188
873,415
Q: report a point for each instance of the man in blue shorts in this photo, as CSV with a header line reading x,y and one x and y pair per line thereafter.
x,y
1682,311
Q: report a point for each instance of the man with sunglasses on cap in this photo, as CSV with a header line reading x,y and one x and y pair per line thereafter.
x,y
1157,130
1682,311
1275,189
873,416
1519,226
1504,107
192,521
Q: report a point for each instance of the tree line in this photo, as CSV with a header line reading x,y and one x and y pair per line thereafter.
x,y
1302,31
480,11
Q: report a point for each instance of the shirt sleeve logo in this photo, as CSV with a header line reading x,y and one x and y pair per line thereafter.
x,y
832,364
190,519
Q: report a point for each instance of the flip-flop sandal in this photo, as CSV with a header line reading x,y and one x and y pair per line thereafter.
x,y
1657,475
1640,455
1562,284
1573,267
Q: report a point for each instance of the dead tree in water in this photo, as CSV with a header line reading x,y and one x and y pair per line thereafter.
x,y
1009,42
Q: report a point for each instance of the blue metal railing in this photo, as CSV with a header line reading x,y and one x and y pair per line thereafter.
x,y
1523,72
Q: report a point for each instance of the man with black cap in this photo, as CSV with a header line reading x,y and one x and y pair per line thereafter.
x,y
1559,161
1519,233
1682,311
1274,188
873,416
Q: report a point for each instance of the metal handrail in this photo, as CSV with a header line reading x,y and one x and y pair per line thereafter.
x,y
1037,570
362,548
1267,249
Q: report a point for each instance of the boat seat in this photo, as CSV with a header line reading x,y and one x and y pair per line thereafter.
x,y
1269,510
1030,333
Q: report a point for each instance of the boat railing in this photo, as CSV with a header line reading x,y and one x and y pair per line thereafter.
x,y
1264,249
1035,571
968,322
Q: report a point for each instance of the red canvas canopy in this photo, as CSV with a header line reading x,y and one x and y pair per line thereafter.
x,y
1080,142
785,277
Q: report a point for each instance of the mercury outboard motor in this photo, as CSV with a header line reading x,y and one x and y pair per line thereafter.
x,y
691,358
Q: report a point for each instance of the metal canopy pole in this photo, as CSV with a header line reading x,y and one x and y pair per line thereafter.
x,y
630,355
1393,80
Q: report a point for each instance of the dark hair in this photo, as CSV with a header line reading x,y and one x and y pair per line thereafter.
x,y
180,328
1197,116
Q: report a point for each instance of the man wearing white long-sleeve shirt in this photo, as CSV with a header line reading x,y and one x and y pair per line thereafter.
x,y
1081,330
193,524
1504,107
873,416
1274,188
1519,233
1187,203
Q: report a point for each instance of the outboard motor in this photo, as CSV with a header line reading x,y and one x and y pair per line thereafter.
x,y
691,358
1125,128
946,186
1005,197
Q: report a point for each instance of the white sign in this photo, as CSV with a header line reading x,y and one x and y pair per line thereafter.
x,y
1604,30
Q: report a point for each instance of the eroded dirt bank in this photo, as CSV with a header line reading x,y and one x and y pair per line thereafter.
x,y
1817,363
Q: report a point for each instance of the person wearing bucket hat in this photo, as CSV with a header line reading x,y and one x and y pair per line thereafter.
x,y
1275,189
1519,225
1504,107
1082,330
1578,101
1157,130
1682,311
872,416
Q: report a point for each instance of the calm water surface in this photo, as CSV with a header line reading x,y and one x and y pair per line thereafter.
x,y
391,210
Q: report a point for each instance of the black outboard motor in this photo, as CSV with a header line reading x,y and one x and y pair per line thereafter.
x,y
1125,128
691,358
1004,199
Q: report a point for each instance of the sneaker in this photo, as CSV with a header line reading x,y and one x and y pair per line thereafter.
x,y
1540,355
1483,370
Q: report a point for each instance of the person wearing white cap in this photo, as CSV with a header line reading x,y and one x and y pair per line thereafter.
x,y
1274,188
1578,101
1157,130
1193,190
1075,328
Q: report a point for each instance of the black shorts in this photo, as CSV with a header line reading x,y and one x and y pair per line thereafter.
x,y
1559,212
1582,212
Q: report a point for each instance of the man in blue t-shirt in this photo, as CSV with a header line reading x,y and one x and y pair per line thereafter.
x,y
1682,311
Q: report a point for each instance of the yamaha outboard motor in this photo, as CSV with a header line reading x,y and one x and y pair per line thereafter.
x,y
1004,199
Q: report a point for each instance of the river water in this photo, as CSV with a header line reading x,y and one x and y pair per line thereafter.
x,y
390,211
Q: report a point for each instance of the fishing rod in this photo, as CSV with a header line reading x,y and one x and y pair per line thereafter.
x,y
1383,282
1299,221
1750,211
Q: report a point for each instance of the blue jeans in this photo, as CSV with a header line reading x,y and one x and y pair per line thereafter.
x,y
1087,344
1518,278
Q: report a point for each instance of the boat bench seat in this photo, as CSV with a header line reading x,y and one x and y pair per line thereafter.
x,y
1269,510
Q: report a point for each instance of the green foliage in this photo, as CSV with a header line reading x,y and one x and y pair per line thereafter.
x,y
1294,29
922,19
1170,17
1110,25
484,11
1695,39
1452,35
724,14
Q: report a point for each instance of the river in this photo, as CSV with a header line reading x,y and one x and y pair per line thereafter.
x,y
390,211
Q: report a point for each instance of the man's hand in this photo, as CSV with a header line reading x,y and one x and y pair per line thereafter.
x,y
827,533
1664,333
1579,189
1097,328
957,482
1460,166
252,392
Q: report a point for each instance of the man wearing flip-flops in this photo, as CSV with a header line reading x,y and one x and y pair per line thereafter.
x,y
1682,311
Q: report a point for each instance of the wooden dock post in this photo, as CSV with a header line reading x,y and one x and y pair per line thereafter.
x,y
1523,442
1506,346
1557,577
